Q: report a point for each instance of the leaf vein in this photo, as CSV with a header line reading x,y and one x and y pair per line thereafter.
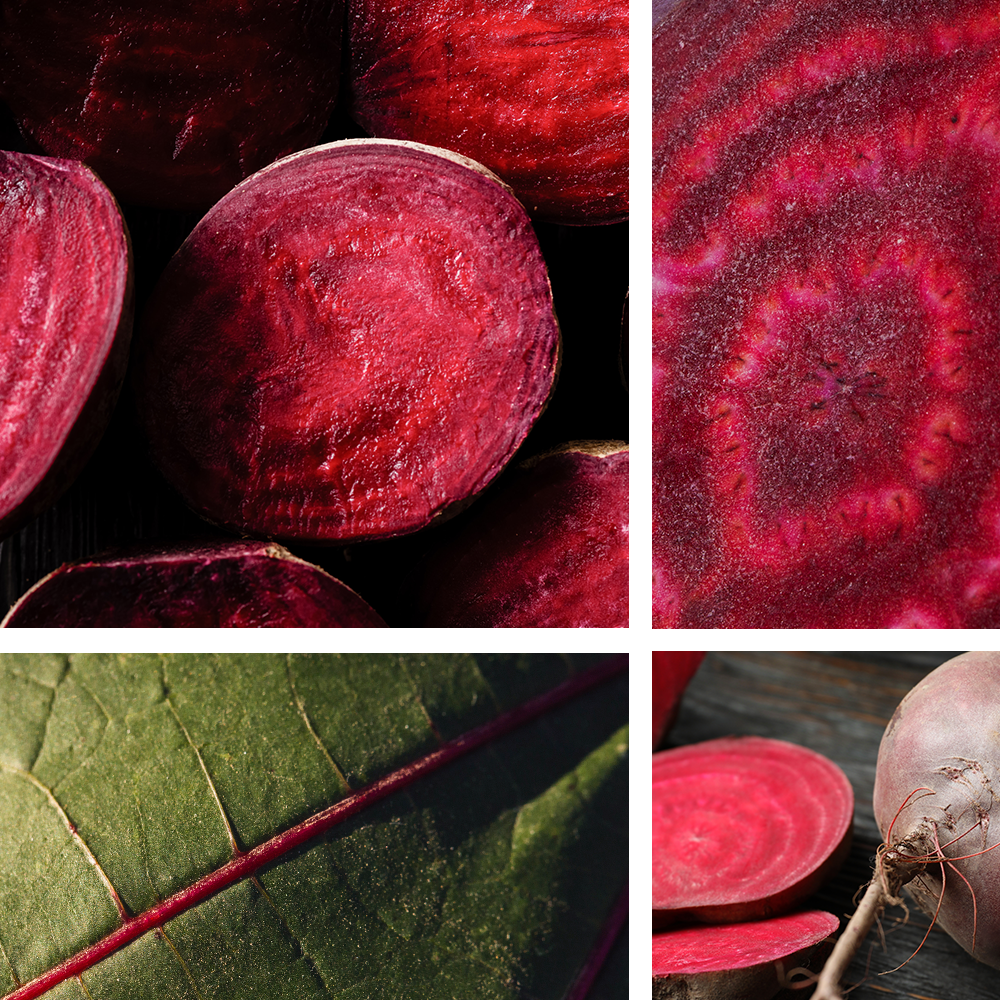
x,y
300,705
162,931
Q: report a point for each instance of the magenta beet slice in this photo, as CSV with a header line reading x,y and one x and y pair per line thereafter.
x,y
172,104
740,961
65,323
548,550
210,585
744,828
672,670
826,221
536,92
350,344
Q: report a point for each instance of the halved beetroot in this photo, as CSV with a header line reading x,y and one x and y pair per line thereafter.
x,y
825,226
172,104
744,961
744,828
65,324
350,345
671,672
549,550
203,585
537,92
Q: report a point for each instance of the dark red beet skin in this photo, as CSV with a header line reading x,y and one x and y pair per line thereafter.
x,y
350,345
172,104
537,92
826,224
548,550
65,323
205,585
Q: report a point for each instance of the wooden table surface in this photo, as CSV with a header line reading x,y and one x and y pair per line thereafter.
x,y
838,704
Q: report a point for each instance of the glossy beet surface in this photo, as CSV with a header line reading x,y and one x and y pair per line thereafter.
x,y
172,104
744,828
550,549
349,345
223,585
65,322
826,226
537,92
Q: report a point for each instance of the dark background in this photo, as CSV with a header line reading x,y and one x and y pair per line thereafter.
x,y
839,705
120,499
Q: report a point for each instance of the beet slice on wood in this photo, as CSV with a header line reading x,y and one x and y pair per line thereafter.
x,y
205,585
550,549
826,217
744,828
537,92
65,323
349,345
172,104
671,672
742,961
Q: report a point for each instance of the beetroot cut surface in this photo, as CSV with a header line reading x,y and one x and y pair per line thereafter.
x,y
742,961
744,828
65,323
537,92
349,345
825,231
210,585
172,104
548,550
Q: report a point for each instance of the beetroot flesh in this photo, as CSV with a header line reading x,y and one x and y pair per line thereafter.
x,y
742,961
548,550
744,828
172,106
65,324
825,223
350,345
205,585
671,673
536,92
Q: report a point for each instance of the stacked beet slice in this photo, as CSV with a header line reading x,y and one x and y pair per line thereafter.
x,y
745,829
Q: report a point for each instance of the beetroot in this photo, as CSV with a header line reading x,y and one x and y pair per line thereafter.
x,y
350,345
825,227
172,104
934,797
548,550
65,323
744,828
735,961
671,673
207,585
537,92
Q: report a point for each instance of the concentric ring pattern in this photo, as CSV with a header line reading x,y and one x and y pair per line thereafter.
x,y
826,310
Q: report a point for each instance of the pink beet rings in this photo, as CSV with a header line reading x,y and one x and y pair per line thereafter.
x,y
350,345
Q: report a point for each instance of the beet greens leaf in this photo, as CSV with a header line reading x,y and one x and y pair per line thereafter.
x,y
127,778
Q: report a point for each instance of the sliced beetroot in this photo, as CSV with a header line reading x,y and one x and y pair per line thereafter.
x,y
548,550
205,585
826,218
537,92
743,961
744,828
172,104
65,323
350,345
671,672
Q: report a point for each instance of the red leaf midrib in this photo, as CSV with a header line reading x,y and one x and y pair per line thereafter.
x,y
245,864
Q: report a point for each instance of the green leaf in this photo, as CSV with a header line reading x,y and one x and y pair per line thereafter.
x,y
125,779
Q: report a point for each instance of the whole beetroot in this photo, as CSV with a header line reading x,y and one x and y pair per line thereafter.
x,y
938,766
